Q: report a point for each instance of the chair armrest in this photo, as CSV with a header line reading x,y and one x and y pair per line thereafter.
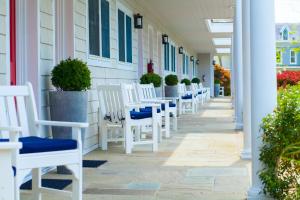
x,y
141,105
10,145
10,129
63,124
156,101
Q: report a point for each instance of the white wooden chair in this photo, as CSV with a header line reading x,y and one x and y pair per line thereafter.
x,y
187,101
147,94
19,122
198,93
206,91
118,108
7,172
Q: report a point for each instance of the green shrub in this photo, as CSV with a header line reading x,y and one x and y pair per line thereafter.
x,y
196,80
281,130
71,75
217,81
186,81
171,80
151,78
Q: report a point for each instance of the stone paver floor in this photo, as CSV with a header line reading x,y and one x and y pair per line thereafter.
x,y
200,161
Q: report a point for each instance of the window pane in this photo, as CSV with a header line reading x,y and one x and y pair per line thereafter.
x,y
167,56
183,63
94,37
128,39
121,30
105,28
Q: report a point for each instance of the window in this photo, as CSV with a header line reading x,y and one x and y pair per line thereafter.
x,y
194,69
185,64
293,57
173,58
279,57
167,56
99,28
125,37
285,34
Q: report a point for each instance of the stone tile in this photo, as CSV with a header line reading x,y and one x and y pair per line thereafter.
x,y
217,171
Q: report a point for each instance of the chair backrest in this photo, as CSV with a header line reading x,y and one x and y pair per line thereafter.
x,y
194,87
130,95
18,109
200,85
181,89
146,91
111,102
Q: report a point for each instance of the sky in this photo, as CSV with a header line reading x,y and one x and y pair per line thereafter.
x,y
287,11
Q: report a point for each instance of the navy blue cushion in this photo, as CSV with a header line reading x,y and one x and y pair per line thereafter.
x,y
140,115
39,145
171,105
14,170
188,96
148,109
200,92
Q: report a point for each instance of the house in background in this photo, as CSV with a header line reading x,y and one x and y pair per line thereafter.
x,y
288,46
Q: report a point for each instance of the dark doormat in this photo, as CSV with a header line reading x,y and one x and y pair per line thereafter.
x,y
58,184
93,163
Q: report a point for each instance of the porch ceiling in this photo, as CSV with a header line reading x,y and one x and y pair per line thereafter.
x,y
187,18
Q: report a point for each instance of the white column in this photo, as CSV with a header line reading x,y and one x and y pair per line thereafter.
x,y
246,153
232,75
238,65
263,79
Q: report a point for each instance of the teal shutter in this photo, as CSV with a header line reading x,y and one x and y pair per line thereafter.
x,y
129,39
94,36
187,64
121,30
183,63
105,28
174,59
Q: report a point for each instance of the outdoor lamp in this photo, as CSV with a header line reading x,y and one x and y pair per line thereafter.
x,y
165,39
138,21
192,58
198,62
180,50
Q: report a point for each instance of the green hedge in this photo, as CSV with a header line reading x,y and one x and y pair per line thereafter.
x,y
186,81
196,80
281,130
71,75
171,80
151,78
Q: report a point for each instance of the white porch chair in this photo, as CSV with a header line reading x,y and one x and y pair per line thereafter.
x,y
187,101
6,170
19,122
118,109
147,94
198,93
206,91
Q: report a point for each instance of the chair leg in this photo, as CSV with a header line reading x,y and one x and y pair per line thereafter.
x,y
17,188
104,138
128,139
167,122
77,184
155,128
137,133
174,121
36,183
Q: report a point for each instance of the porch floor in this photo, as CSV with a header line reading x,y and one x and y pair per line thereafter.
x,y
200,161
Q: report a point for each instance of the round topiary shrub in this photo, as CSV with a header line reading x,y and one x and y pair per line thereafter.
x,y
151,78
196,80
217,81
71,75
186,81
280,174
171,80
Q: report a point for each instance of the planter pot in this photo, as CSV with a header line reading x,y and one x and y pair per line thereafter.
x,y
158,91
70,106
188,87
171,91
217,90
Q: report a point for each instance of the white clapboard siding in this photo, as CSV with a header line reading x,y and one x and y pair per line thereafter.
x,y
3,37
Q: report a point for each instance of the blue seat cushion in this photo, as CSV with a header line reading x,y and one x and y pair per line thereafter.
x,y
188,96
171,105
148,109
38,145
140,115
200,92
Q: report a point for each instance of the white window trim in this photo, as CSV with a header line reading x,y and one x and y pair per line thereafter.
x,y
282,29
279,63
187,70
94,60
127,11
293,63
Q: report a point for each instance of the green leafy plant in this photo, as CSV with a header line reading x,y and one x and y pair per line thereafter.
x,y
151,78
217,81
186,81
171,80
280,150
196,80
71,75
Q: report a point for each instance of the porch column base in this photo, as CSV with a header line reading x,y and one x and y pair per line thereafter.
x,y
246,154
256,193
239,126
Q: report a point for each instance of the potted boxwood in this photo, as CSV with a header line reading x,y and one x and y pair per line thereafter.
x,y
69,101
217,87
155,79
187,83
171,89
196,80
